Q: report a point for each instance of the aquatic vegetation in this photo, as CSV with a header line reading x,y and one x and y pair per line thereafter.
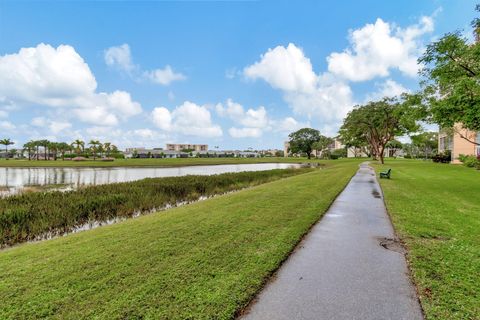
x,y
29,216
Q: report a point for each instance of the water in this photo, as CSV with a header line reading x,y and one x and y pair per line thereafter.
x,y
16,180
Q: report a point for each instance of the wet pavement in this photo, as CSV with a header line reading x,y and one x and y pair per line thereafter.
x,y
348,267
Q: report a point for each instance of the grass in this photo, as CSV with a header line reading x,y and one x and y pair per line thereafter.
x,y
170,162
201,261
435,209
31,215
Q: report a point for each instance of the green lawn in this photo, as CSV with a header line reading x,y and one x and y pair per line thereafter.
x,y
202,261
435,209
174,162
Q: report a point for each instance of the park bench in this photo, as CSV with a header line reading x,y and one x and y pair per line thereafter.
x,y
385,174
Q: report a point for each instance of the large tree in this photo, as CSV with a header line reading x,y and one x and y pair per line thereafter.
x,y
301,141
451,85
6,143
378,122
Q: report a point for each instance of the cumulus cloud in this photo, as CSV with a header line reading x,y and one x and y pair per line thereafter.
x,y
284,68
187,119
119,57
254,121
289,124
377,48
316,96
164,76
387,89
59,77
54,126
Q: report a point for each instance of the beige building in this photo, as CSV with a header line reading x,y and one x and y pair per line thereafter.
x,y
180,147
454,142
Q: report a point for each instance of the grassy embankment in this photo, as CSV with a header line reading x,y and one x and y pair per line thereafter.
x,y
30,215
173,162
203,261
435,209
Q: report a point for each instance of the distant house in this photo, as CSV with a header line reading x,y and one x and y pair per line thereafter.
x,y
180,147
451,140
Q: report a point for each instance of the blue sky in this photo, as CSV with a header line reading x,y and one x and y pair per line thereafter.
x,y
234,74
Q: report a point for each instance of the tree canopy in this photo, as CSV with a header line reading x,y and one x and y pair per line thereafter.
x,y
378,122
301,141
451,81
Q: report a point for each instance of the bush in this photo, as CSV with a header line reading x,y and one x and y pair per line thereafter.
x,y
470,161
445,157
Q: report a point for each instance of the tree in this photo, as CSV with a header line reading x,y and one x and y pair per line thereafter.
x,y
93,146
302,140
63,147
394,145
44,143
53,148
378,122
322,144
79,146
29,147
6,143
426,141
107,147
451,85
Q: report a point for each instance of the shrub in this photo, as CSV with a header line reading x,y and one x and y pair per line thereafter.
x,y
469,161
444,157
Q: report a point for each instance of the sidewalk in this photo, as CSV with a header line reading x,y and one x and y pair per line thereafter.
x,y
346,267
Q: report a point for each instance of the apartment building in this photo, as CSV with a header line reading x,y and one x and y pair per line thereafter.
x,y
452,140
179,147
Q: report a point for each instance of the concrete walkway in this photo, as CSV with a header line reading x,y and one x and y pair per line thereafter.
x,y
346,267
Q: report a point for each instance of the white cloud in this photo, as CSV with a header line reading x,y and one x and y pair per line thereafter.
x,y
7,125
59,77
284,68
254,121
289,124
164,76
162,118
187,119
387,89
245,132
377,48
3,114
119,57
324,98
55,126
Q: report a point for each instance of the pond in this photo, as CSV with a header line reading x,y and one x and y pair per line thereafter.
x,y
16,180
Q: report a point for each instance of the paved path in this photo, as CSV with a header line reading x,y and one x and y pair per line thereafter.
x,y
341,270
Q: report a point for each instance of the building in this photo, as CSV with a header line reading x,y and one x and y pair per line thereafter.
x,y
451,140
180,147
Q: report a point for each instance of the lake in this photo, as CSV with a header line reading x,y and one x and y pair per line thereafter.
x,y
15,180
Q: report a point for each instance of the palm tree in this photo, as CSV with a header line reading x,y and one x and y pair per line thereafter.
x,y
29,147
64,147
94,144
6,143
53,148
79,146
44,143
107,146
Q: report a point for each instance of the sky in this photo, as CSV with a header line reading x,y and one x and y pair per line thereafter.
x,y
232,74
